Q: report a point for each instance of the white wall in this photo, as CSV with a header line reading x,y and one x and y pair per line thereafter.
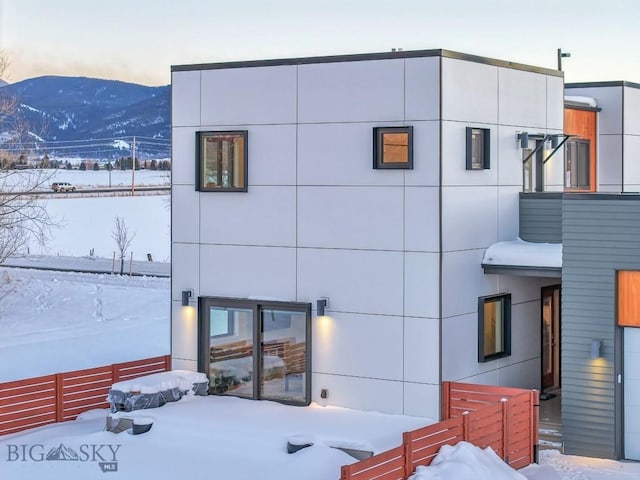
x,y
480,208
318,220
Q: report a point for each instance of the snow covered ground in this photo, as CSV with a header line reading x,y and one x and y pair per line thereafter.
x,y
231,438
61,321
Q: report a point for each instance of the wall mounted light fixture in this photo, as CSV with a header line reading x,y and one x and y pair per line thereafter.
x,y
186,295
524,139
321,304
596,349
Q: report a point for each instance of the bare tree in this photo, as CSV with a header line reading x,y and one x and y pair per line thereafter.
x,y
22,216
123,239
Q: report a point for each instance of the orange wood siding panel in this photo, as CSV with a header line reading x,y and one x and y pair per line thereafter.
x,y
583,124
629,299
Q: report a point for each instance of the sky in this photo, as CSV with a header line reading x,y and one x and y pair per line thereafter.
x,y
138,40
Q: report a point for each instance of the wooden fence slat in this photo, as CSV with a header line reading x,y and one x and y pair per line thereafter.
x,y
47,399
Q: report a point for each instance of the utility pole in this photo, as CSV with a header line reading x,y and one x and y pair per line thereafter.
x,y
562,55
133,166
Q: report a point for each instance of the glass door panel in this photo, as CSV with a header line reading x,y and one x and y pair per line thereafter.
x,y
283,358
231,351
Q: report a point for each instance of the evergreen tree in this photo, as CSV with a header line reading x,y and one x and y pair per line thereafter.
x,y
83,166
96,166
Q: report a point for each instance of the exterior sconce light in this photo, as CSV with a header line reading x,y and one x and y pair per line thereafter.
x,y
554,141
524,139
186,295
596,349
321,305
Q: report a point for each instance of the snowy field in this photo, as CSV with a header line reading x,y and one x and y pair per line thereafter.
x,y
87,224
100,178
55,322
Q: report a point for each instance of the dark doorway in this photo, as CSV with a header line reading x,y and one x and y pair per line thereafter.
x,y
550,334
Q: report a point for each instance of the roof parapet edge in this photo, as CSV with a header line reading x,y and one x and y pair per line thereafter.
x,y
365,57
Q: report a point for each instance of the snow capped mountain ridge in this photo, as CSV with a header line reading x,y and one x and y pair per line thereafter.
x,y
80,108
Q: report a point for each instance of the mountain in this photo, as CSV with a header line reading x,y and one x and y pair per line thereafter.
x,y
59,109
62,452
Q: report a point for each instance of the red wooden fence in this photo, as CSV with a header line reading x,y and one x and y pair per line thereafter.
x,y
506,419
56,398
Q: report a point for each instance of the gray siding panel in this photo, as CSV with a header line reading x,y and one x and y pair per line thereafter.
x,y
541,217
599,236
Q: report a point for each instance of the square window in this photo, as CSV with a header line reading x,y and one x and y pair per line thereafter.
x,y
478,152
221,161
494,327
393,147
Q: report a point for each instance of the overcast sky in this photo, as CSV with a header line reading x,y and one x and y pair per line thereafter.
x,y
139,40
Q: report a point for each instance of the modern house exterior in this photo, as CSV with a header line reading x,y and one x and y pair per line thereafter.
x,y
345,230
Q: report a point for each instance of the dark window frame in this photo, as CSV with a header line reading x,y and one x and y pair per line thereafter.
x,y
378,148
581,145
505,300
486,147
257,306
200,138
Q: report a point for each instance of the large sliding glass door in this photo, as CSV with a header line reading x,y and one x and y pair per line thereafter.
x,y
255,349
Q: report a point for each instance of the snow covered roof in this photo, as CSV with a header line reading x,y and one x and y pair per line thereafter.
x,y
580,101
524,258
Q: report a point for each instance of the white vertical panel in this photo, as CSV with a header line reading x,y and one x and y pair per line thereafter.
x,y
184,333
185,209
469,91
421,284
469,217
631,111
555,103
422,350
185,98
185,262
421,219
183,156
422,88
523,98
421,400
632,163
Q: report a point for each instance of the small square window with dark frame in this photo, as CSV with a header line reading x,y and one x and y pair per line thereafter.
x,y
393,148
478,151
494,327
221,161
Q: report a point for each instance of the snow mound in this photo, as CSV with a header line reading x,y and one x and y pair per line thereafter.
x,y
184,380
521,253
465,461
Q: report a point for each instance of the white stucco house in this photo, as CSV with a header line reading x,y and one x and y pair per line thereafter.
x,y
332,218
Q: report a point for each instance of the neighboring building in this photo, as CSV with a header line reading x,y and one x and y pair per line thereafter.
x,y
376,188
